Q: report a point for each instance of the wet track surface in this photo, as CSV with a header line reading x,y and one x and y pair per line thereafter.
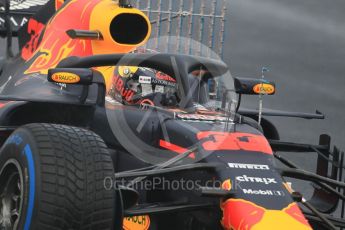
x,y
303,45
302,42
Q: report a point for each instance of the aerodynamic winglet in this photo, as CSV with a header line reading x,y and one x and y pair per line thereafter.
x,y
280,113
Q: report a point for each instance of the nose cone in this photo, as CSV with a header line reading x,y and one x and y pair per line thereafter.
x,y
241,214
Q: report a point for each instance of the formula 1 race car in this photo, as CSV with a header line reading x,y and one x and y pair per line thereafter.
x,y
98,132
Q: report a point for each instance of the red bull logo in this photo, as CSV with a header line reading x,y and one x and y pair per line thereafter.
x,y
240,214
119,85
87,15
56,44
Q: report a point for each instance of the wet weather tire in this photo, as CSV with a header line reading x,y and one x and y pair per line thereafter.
x,y
53,177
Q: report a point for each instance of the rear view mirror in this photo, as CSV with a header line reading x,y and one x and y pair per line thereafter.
x,y
252,86
80,76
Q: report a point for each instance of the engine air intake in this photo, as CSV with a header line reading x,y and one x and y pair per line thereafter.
x,y
129,29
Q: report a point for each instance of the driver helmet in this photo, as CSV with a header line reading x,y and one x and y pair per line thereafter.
x,y
125,86
132,84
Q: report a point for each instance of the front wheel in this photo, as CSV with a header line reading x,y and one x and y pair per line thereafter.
x,y
52,177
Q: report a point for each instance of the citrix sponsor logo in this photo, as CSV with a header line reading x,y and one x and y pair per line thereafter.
x,y
248,166
266,181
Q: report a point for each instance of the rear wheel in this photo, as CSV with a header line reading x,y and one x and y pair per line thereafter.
x,y
52,177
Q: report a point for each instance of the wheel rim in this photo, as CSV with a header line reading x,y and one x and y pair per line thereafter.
x,y
11,195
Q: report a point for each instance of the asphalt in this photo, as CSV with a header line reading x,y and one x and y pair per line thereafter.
x,y
302,42
303,45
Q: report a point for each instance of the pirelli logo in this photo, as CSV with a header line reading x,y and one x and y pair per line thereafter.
x,y
248,166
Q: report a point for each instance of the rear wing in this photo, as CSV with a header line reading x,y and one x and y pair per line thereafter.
x,y
19,13
23,19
